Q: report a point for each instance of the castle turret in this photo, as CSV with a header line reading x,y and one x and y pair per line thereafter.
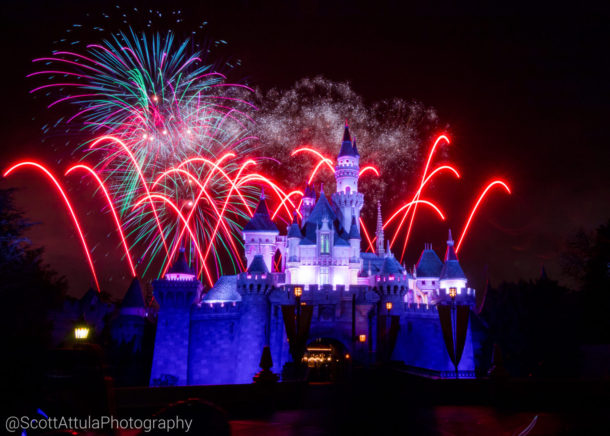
x,y
347,198
294,236
254,287
308,203
175,294
427,273
260,235
452,275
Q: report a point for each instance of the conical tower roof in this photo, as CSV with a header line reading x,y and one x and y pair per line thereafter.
x,y
354,230
261,220
294,231
258,265
133,297
429,264
181,265
347,148
451,269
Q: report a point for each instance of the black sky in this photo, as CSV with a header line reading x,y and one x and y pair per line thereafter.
x,y
524,89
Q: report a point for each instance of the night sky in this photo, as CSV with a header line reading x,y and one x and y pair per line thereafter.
x,y
524,90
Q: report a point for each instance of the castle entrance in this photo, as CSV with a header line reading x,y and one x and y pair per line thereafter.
x,y
326,360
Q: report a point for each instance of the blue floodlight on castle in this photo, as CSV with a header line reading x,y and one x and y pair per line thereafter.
x,y
218,338
180,270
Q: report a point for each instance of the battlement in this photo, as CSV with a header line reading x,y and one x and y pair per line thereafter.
x,y
217,308
353,199
176,293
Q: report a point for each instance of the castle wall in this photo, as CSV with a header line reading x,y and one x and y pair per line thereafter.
x,y
420,342
253,329
170,358
213,344
171,346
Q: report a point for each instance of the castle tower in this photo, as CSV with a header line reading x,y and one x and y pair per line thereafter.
x,y
354,242
309,201
175,294
260,234
128,327
379,233
254,287
347,170
452,275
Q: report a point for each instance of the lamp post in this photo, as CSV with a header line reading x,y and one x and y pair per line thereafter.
x,y
453,294
388,306
81,332
298,291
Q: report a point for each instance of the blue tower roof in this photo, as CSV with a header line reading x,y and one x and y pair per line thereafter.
x,y
309,191
261,221
347,148
258,265
451,269
225,289
181,265
429,264
391,266
294,231
133,296
354,231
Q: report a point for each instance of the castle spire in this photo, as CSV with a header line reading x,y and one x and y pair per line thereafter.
x,y
450,254
379,232
346,135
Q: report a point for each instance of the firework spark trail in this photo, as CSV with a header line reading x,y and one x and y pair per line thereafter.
x,y
216,167
436,142
135,164
277,209
366,234
369,168
476,206
68,205
412,202
117,221
176,209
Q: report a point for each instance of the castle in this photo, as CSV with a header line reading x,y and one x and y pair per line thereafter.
x,y
218,337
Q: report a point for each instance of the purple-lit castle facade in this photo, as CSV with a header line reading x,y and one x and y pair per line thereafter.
x,y
217,337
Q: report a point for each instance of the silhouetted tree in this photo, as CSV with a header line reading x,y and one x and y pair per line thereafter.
x,y
28,289
535,324
587,260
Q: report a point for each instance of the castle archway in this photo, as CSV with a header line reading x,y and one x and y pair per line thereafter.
x,y
327,360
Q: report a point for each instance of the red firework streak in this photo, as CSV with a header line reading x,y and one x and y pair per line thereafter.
x,y
476,206
68,205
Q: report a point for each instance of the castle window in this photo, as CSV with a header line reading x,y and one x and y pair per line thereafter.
x,y
423,282
324,244
324,276
347,190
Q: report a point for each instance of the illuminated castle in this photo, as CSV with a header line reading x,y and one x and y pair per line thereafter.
x,y
217,337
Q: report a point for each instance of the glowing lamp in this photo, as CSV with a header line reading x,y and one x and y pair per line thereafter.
x,y
298,291
388,305
81,333
347,356
362,338
452,292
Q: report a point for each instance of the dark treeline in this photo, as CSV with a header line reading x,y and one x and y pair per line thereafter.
x,y
541,326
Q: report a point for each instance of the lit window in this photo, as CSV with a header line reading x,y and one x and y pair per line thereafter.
x,y
324,276
324,244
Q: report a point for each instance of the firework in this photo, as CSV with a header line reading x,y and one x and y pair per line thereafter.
x,y
173,149
170,140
